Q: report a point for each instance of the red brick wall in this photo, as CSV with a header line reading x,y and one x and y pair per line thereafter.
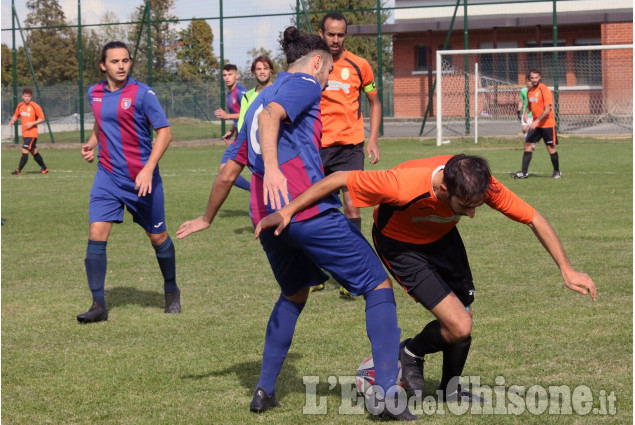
x,y
411,91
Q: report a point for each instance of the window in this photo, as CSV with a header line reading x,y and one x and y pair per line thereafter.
x,y
502,67
421,58
587,65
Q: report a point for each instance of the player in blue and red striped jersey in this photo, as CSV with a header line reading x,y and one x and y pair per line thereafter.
x,y
127,175
235,93
282,134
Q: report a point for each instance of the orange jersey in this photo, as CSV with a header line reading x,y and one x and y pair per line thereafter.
x,y
342,119
28,113
538,98
409,211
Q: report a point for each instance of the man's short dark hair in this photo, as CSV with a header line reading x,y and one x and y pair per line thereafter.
x,y
27,90
264,59
112,45
230,67
534,71
468,177
337,16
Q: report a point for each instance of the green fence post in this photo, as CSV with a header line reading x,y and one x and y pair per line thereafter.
x,y
80,60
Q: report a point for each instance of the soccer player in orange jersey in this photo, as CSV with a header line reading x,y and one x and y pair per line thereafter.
x,y
542,127
419,203
31,115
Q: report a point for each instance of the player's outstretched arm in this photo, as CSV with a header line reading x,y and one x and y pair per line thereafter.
x,y
372,149
319,190
220,189
576,281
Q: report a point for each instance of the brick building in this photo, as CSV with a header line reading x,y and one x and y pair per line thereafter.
x,y
421,26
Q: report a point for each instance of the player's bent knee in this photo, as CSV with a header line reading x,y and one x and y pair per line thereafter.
x,y
459,332
299,297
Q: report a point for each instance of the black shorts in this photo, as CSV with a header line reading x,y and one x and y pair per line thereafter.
x,y
342,158
29,143
548,134
431,271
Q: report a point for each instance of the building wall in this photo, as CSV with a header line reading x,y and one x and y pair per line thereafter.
x,y
411,89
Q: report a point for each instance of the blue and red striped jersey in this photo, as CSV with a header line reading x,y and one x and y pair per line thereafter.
x,y
299,142
125,118
234,98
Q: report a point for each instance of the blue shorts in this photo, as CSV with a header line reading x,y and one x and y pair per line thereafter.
x,y
327,241
109,195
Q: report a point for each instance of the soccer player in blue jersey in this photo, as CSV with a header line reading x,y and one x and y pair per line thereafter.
x,y
280,141
235,93
127,174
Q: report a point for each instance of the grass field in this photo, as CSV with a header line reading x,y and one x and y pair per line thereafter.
x,y
201,367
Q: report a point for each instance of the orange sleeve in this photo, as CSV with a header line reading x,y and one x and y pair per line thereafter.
x,y
368,79
39,113
507,202
368,188
547,97
16,115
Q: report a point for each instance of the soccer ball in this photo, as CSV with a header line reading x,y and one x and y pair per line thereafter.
x,y
365,377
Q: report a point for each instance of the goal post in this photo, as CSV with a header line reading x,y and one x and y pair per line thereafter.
x,y
592,87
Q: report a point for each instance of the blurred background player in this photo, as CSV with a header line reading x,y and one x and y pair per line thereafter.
x,y
542,127
235,93
31,115
522,107
127,174
343,124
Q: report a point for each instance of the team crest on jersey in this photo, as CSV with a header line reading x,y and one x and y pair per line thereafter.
x,y
345,73
126,102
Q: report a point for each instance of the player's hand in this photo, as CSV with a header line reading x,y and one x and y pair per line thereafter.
x,y
372,150
519,114
143,182
277,220
88,152
227,137
582,283
220,113
274,185
191,226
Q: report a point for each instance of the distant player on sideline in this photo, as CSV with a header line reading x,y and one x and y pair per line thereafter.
x,y
280,141
235,93
542,127
522,107
31,115
127,174
420,202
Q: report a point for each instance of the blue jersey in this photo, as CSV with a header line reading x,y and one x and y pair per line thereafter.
x,y
234,98
125,118
299,142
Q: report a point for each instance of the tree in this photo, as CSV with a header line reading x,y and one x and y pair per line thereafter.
x,y
163,40
357,12
53,50
195,54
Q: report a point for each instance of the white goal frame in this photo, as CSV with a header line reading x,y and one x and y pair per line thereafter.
x,y
439,73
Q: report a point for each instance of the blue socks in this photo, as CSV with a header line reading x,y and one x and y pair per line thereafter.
x,y
242,183
167,262
384,334
278,340
95,263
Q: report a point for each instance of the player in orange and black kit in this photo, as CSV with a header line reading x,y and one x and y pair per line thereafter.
x,y
31,115
420,202
542,127
342,121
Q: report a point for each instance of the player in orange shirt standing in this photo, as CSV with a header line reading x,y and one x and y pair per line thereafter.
x,y
31,115
543,125
419,203
342,121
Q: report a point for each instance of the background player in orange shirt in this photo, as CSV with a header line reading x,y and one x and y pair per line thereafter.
x,y
542,127
31,115
419,204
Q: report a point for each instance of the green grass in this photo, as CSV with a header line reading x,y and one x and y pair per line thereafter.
x,y
201,367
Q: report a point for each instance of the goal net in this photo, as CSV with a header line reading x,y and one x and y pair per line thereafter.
x,y
478,91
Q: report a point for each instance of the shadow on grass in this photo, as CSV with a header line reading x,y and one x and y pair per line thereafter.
x,y
124,295
248,373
